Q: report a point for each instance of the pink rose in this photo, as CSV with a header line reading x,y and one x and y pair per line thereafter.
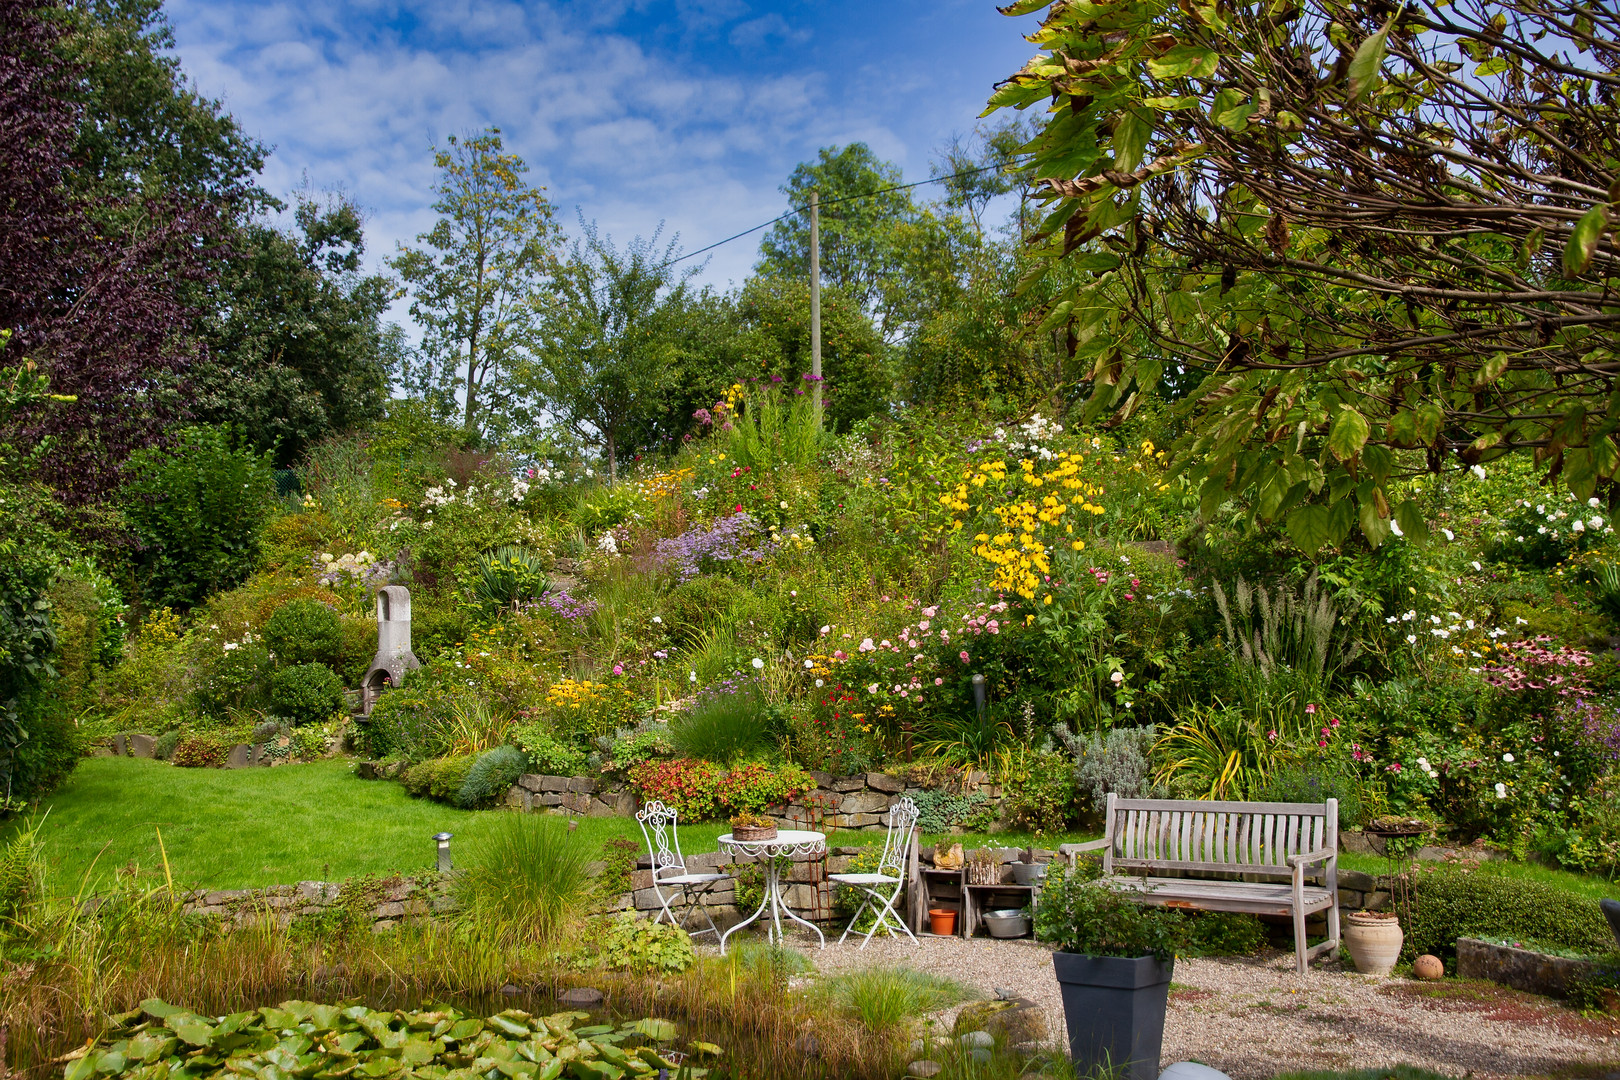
x,y
939,682
618,669
963,654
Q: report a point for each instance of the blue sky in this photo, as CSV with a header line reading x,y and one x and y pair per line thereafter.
x,y
689,111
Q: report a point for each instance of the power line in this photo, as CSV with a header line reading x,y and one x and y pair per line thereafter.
x,y
830,202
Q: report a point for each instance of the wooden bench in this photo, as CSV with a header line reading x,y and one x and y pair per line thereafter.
x,y
1237,839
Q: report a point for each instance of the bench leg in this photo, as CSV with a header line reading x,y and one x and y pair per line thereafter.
x,y
1300,957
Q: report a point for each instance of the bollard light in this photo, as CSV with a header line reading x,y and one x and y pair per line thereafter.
x,y
444,851
978,695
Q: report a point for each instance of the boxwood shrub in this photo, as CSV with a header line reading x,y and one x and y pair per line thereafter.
x,y
304,632
1449,904
438,778
306,693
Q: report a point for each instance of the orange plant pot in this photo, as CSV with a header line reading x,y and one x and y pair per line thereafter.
x,y
941,921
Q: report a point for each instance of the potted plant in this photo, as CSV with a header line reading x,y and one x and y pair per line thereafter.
x,y
1113,964
753,827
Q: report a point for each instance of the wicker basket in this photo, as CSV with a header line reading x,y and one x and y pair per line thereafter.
x,y
753,832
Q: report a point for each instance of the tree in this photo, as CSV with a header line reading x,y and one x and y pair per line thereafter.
x,y
976,170
1382,235
295,342
861,252
610,340
472,280
102,315
143,131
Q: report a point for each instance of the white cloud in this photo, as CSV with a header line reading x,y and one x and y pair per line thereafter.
x,y
631,114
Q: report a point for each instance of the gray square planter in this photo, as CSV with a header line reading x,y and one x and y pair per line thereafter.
x,y
1114,1009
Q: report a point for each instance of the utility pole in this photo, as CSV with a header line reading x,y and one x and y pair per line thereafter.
x,y
815,303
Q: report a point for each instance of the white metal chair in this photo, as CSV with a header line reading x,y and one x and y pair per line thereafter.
x,y
890,877
669,866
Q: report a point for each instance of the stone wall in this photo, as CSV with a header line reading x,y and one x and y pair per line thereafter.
x,y
384,902
858,802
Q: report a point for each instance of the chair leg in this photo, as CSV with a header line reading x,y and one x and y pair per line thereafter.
x,y
884,914
858,913
663,903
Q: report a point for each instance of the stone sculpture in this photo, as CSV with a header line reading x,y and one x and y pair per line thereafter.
x,y
394,656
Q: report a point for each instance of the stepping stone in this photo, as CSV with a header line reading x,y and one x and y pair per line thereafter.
x,y
924,1069
978,1040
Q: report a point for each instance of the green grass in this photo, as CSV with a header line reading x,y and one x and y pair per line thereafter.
x,y
245,828
1589,886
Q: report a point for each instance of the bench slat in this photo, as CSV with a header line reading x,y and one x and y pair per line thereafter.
x,y
1213,805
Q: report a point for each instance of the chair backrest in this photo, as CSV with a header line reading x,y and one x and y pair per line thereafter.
x,y
663,842
1232,837
903,815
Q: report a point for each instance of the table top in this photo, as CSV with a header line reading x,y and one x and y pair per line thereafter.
x,y
784,838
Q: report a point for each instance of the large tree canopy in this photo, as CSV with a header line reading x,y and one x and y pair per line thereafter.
x,y
1382,235
100,313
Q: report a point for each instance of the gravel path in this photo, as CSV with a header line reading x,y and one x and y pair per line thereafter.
x,y
1254,1018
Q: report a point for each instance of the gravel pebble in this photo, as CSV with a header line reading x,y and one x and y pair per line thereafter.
x,y
1255,1018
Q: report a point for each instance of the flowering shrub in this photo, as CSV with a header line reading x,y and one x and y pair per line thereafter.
x,y
701,789
703,547
754,785
690,786
585,708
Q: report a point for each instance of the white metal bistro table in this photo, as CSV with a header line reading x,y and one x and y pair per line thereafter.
x,y
789,842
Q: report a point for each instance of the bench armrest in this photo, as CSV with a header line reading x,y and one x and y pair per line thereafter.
x,y
1306,858
1089,845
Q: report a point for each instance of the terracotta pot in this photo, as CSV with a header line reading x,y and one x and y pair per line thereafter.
x,y
1374,943
942,922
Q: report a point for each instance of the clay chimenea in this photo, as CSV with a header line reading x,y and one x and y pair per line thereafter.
x,y
394,657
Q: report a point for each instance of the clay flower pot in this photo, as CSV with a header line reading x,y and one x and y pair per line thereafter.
x,y
1374,941
942,921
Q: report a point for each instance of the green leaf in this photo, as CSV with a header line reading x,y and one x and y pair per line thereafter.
x,y
1374,527
1494,66
1348,434
1491,370
1096,262
1024,7
656,1030
1189,61
1409,515
1367,62
162,1010
1131,134
1310,527
1583,241
705,1048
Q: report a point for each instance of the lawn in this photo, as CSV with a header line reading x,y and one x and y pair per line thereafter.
x,y
244,828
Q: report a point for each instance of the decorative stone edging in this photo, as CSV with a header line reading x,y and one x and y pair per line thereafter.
x,y
1522,969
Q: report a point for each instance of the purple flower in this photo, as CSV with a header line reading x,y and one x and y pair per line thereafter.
x,y
728,539
566,606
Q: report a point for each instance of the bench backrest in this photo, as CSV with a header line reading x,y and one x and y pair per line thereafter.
x,y
1234,837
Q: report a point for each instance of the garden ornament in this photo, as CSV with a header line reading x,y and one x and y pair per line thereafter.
x,y
394,656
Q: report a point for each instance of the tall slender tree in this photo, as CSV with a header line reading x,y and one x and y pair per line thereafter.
x,y
472,279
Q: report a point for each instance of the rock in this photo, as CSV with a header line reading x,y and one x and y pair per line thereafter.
x,y
553,783
120,745
821,779
924,1069
1005,993
848,783
240,757
583,785
863,802
511,990
580,997
1355,879
976,1039
883,782
1016,1019
980,1054
142,746
1192,1070
1428,967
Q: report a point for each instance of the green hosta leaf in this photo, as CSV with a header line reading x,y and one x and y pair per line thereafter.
x,y
1583,241
1185,61
1348,434
1368,61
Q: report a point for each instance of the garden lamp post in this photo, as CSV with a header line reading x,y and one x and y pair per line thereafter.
x,y
978,695
443,840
